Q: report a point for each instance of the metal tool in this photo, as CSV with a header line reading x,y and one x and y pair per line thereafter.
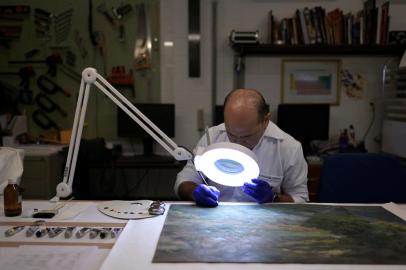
x,y
43,121
41,232
142,50
82,232
25,93
62,25
14,230
94,233
104,232
48,105
102,9
53,232
115,232
156,208
69,232
49,86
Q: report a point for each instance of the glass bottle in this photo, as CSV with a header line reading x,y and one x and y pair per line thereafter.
x,y
12,199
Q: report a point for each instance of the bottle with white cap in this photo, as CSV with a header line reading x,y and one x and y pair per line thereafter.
x,y
12,199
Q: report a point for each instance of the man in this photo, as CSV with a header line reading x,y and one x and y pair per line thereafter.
x,y
283,169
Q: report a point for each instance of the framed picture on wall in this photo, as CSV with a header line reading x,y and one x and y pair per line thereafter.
x,y
310,81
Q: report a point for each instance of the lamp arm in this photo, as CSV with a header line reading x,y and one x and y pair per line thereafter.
x,y
90,77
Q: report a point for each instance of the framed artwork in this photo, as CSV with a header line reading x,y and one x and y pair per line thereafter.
x,y
310,81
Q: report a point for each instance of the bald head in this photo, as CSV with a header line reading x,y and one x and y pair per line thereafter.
x,y
245,116
247,100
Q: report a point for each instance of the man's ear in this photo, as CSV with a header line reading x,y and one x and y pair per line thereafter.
x,y
267,117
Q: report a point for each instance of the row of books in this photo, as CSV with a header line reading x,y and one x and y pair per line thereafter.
x,y
316,26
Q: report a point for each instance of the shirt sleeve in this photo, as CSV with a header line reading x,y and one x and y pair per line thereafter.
x,y
189,173
295,177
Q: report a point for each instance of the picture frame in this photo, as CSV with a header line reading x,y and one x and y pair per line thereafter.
x,y
310,81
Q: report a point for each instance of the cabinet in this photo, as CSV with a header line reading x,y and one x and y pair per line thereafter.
x,y
313,177
42,173
133,178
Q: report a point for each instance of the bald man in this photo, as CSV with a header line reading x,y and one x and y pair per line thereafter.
x,y
283,169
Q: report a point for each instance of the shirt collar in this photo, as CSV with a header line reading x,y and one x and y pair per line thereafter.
x,y
274,131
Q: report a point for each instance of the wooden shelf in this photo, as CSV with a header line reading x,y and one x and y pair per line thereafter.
x,y
268,49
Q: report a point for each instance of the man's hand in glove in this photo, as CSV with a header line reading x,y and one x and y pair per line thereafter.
x,y
206,195
260,190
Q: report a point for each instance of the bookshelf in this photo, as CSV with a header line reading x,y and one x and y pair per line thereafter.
x,y
318,49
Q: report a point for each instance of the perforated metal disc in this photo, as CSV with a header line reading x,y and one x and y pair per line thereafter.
x,y
126,209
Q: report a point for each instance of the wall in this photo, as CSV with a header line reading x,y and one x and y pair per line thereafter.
x,y
262,73
101,112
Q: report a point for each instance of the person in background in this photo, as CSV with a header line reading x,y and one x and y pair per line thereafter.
x,y
283,169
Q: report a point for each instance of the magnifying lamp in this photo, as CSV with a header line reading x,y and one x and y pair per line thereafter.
x,y
225,163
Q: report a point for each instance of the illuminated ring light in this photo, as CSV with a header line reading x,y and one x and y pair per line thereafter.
x,y
226,163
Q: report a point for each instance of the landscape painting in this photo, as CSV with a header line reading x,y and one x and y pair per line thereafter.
x,y
282,233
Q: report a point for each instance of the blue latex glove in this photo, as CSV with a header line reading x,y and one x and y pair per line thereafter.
x,y
206,195
260,190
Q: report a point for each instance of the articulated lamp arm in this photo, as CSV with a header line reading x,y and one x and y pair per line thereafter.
x,y
90,77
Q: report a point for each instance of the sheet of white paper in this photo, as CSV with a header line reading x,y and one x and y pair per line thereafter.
x,y
43,258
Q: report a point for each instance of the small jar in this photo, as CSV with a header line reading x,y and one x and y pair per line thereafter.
x,y
12,199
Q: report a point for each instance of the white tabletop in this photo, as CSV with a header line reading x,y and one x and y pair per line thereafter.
x,y
136,245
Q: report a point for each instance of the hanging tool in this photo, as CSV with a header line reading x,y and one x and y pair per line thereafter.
x,y
102,9
49,86
48,105
43,21
15,13
97,38
62,25
142,50
25,93
119,76
51,61
79,44
43,121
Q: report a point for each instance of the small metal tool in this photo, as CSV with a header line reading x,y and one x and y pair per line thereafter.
x,y
34,227
14,230
104,232
156,208
52,232
82,232
94,233
115,232
31,230
69,232
41,232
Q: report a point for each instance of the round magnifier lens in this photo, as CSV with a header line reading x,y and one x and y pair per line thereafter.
x,y
229,166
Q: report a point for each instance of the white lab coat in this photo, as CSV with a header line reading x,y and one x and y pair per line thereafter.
x,y
280,159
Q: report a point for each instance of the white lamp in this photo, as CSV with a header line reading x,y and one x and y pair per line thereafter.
x,y
225,163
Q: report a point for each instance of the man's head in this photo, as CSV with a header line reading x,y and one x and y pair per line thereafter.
x,y
246,116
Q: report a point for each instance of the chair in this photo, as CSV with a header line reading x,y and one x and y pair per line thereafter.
x,y
362,178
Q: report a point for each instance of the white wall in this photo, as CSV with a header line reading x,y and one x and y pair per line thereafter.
x,y
262,73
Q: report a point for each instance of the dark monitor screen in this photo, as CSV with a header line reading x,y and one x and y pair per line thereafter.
x,y
162,115
218,116
305,122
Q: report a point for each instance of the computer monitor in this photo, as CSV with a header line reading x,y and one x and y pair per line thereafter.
x,y
218,116
305,122
162,115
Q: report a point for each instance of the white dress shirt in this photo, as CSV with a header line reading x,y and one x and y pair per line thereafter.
x,y
280,159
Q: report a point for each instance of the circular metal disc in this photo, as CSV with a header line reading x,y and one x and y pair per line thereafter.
x,y
126,209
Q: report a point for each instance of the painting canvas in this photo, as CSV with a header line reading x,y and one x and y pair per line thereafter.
x,y
310,81
289,233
